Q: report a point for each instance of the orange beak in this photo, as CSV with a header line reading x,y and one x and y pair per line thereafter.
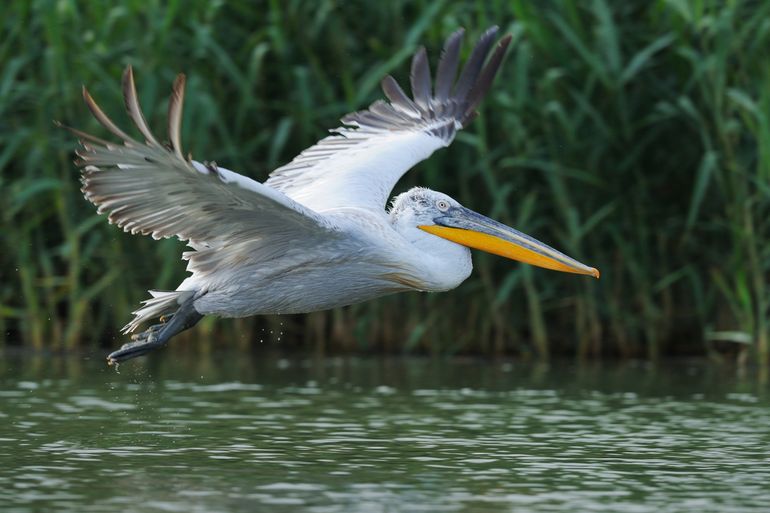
x,y
466,227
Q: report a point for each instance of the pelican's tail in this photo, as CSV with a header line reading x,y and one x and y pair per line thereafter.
x,y
162,302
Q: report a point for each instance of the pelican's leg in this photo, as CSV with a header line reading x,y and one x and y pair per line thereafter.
x,y
157,335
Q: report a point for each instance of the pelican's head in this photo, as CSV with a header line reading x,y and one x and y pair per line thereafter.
x,y
442,216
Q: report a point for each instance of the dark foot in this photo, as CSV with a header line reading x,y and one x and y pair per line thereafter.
x,y
157,335
143,343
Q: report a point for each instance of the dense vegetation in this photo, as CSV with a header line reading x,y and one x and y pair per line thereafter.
x,y
634,136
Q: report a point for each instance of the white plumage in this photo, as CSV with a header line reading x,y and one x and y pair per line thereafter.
x,y
316,234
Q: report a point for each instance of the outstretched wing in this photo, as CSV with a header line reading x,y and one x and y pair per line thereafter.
x,y
359,164
151,188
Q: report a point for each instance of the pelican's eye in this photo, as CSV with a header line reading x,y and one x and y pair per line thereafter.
x,y
442,205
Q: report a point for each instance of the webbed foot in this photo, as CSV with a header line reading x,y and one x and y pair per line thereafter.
x,y
157,335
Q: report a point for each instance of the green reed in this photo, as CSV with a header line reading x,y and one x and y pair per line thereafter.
x,y
634,136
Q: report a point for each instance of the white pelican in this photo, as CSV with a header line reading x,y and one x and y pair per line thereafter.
x,y
316,234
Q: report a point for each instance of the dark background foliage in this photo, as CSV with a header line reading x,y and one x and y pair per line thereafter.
x,y
634,136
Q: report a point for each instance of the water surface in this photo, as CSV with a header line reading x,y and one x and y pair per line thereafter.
x,y
240,433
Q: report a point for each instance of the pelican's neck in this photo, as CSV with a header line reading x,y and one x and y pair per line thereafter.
x,y
440,264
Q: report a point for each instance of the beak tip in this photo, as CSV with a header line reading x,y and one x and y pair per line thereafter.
x,y
595,273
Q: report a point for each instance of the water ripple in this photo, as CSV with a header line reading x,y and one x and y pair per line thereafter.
x,y
344,443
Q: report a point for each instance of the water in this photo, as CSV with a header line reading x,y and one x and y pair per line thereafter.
x,y
237,433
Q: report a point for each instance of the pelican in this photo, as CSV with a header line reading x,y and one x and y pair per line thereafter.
x,y
318,234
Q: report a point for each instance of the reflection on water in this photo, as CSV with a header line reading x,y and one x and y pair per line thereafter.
x,y
241,434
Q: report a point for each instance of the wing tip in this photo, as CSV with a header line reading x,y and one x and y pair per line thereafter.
x,y
419,77
460,95
175,105
131,100
484,79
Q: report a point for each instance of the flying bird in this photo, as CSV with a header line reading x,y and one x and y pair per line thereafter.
x,y
318,233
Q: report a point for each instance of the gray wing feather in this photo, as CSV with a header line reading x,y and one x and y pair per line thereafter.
x,y
150,189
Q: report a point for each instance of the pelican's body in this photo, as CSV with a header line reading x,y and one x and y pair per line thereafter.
x,y
367,255
316,234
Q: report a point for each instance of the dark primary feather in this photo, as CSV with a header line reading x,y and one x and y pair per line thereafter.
x,y
472,68
398,97
474,82
105,121
484,81
175,104
420,78
447,66
132,106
